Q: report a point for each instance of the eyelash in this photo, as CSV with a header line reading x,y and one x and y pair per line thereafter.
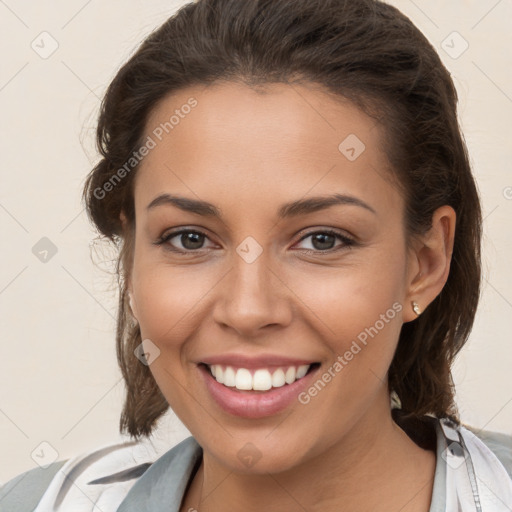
x,y
348,243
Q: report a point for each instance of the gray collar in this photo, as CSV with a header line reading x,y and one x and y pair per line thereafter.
x,y
163,484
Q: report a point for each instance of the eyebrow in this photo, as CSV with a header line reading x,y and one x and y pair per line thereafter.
x,y
288,210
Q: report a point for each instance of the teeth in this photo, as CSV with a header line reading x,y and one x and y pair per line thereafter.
x,y
229,376
217,373
262,380
302,370
278,379
243,379
289,376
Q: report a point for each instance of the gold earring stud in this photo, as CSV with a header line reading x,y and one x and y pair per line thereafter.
x,y
416,308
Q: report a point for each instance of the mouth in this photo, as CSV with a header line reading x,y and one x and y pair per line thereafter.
x,y
256,392
258,379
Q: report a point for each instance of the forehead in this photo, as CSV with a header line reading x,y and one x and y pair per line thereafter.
x,y
239,147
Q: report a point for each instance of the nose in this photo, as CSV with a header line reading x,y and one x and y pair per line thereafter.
x,y
252,297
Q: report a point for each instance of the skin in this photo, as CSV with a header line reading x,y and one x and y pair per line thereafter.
x,y
248,152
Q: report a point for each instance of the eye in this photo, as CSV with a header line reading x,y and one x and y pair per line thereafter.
x,y
322,241
193,240
190,240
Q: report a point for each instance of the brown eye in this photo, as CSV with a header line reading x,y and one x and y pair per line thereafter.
x,y
191,240
324,241
187,240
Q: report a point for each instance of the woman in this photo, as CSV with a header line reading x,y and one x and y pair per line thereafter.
x,y
299,235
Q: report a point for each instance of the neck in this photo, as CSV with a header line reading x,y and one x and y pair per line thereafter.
x,y
375,466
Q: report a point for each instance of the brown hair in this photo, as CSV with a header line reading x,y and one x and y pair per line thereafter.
x,y
362,50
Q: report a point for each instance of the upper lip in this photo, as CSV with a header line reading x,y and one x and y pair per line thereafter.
x,y
261,361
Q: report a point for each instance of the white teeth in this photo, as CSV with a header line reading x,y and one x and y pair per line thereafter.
x,y
229,377
302,370
218,373
289,376
243,379
278,378
262,380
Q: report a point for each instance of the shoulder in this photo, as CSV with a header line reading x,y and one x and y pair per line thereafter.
x,y
24,491
87,476
500,444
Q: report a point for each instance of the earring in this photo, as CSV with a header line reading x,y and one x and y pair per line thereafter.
x,y
416,308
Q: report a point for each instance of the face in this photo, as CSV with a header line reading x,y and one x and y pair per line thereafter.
x,y
254,282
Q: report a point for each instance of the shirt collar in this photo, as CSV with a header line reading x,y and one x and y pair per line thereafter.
x,y
163,484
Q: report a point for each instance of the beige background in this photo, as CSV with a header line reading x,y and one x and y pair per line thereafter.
x,y
59,382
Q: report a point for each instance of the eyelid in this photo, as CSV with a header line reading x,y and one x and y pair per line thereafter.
x,y
164,239
304,233
348,241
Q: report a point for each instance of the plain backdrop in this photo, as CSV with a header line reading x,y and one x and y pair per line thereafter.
x,y
59,380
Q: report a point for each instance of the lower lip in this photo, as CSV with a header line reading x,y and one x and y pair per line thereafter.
x,y
254,404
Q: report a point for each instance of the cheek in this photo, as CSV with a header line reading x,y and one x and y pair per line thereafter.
x,y
359,320
357,313
351,298
168,298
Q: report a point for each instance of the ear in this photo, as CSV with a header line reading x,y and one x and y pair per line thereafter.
x,y
429,262
131,300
